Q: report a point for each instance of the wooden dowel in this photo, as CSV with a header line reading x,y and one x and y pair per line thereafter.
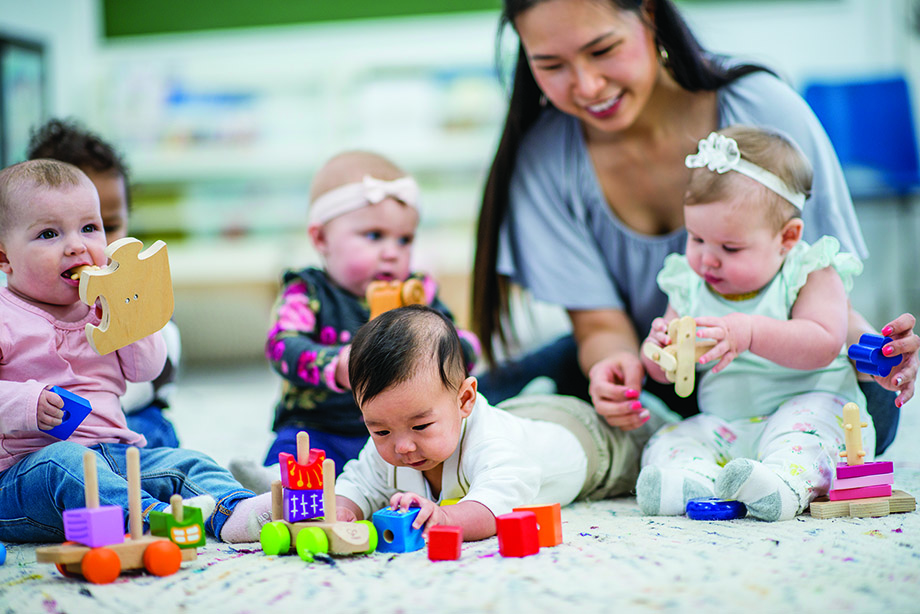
x,y
277,503
135,522
175,503
329,490
90,480
303,447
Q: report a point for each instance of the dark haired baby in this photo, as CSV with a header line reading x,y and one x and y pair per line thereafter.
x,y
433,438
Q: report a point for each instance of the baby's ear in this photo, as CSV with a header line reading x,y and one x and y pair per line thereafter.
x,y
4,261
317,237
792,232
467,396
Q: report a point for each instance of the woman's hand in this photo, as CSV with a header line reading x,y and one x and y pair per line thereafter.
x,y
732,334
430,515
904,343
50,411
614,385
341,369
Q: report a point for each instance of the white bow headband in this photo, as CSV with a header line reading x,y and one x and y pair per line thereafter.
x,y
369,191
720,154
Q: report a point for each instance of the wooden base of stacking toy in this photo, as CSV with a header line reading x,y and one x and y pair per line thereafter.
x,y
898,502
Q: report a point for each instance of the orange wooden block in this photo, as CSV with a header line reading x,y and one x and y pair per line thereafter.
x,y
549,523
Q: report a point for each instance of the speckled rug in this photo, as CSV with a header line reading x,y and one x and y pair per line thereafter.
x,y
612,559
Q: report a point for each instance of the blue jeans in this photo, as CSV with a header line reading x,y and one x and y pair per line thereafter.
x,y
152,424
559,361
35,491
340,448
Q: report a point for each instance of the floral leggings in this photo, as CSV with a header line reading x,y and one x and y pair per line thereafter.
x,y
800,441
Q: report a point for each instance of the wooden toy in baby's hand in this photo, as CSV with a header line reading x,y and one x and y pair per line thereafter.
x,y
386,295
678,359
135,293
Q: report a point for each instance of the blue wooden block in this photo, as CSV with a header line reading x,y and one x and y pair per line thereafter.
x,y
76,409
300,505
868,358
395,532
2,554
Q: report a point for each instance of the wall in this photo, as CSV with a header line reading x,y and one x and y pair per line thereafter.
x,y
224,129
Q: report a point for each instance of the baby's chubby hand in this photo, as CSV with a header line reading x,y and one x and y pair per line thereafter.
x,y
50,410
431,513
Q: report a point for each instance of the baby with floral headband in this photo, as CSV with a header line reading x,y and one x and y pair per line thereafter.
x,y
772,389
363,217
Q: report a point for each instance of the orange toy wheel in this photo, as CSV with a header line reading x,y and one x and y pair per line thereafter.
x,y
63,569
101,565
162,558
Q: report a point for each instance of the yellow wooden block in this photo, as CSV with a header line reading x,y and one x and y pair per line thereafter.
x,y
135,292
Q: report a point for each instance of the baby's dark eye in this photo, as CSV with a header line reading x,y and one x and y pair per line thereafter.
x,y
407,240
90,228
373,235
731,250
422,427
47,234
381,433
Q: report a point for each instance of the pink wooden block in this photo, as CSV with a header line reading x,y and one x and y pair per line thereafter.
x,y
845,471
866,480
883,490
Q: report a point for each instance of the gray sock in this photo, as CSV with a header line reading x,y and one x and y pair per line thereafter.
x,y
665,491
253,476
765,493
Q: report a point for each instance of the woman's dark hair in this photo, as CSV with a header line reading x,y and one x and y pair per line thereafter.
x,y
394,346
691,67
68,141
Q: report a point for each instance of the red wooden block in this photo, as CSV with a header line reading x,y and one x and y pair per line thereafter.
x,y
845,471
444,543
517,534
295,476
549,523
883,490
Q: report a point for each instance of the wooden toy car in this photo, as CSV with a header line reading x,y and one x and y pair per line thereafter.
x,y
112,552
321,533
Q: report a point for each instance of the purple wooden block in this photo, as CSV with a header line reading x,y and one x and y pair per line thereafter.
x,y
883,490
95,526
300,505
866,480
845,471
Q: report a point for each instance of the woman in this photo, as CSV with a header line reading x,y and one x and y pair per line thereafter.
x,y
583,200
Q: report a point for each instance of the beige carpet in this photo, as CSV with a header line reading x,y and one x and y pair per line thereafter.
x,y
612,559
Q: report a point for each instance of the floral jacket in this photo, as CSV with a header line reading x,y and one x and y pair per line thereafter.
x,y
312,320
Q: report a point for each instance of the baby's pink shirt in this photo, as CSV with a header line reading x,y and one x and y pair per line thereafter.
x,y
38,351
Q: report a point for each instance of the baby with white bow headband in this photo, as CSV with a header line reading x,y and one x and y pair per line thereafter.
x,y
363,216
772,389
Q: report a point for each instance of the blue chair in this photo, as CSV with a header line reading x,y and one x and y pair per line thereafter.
x,y
870,124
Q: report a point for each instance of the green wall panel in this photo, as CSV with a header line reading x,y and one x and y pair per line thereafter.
x,y
137,17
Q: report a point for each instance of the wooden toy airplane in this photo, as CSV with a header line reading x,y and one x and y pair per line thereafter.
x,y
678,360
135,291
385,295
97,548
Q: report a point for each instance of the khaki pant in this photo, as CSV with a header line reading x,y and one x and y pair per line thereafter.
x,y
613,455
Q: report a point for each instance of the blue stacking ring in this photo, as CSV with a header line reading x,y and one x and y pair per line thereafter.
x,y
713,508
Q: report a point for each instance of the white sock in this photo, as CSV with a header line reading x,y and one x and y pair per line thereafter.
x,y
764,491
246,520
254,476
664,491
205,503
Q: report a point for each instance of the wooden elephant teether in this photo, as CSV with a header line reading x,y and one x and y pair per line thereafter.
x,y
135,291
385,295
678,360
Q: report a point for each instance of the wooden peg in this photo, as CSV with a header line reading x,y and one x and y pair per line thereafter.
x,y
303,448
135,519
90,480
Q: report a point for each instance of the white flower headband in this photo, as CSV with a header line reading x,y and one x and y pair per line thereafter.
x,y
720,154
368,191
